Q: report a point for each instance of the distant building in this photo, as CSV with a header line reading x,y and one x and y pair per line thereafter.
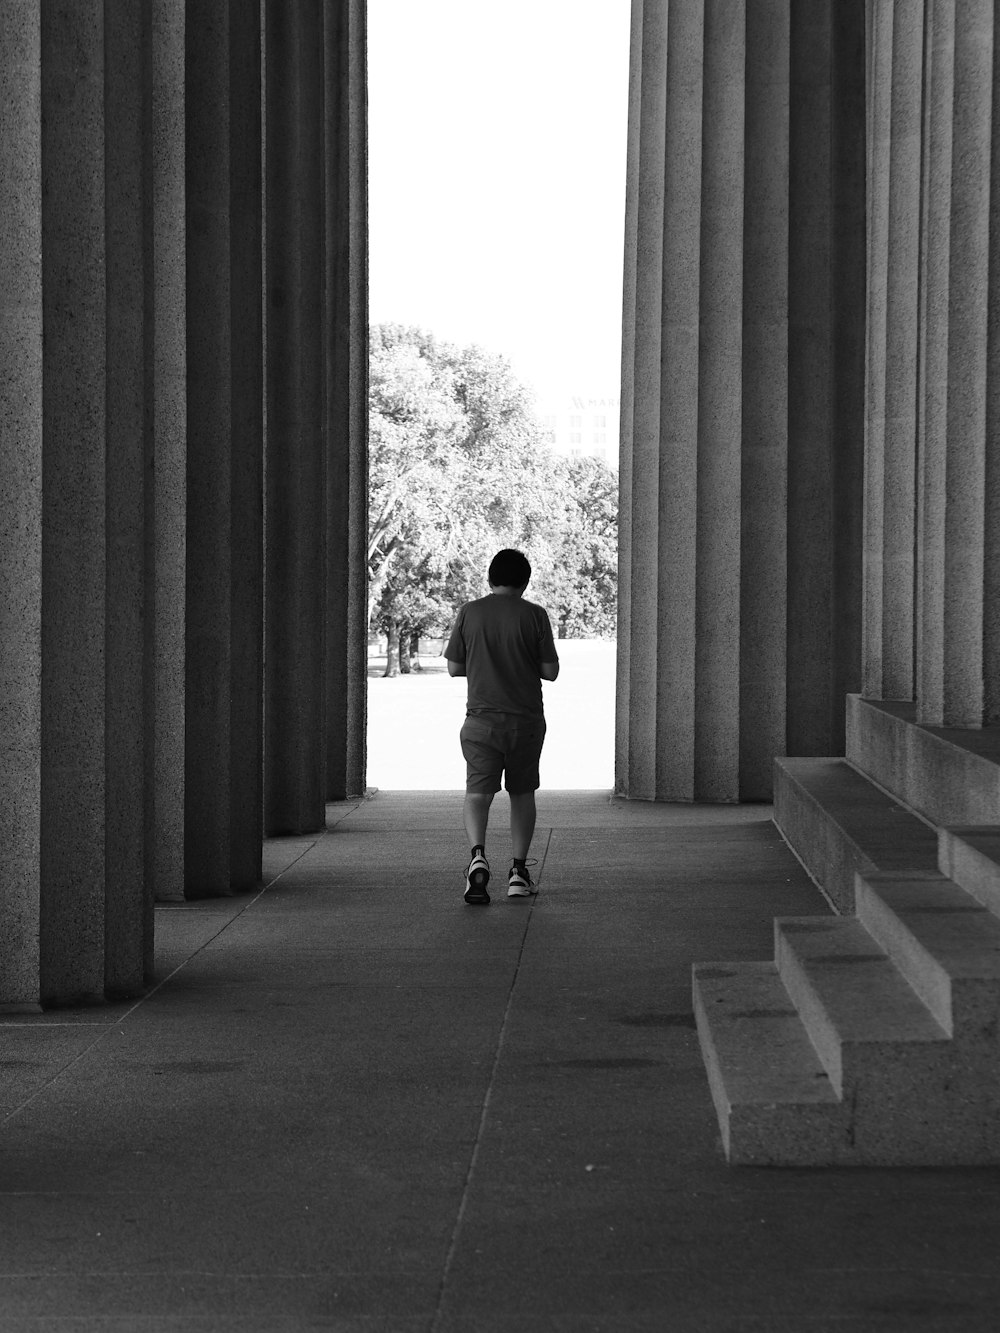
x,y
581,425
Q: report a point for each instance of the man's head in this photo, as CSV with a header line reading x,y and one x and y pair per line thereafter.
x,y
509,569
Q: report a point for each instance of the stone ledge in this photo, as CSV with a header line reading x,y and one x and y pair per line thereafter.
x,y
944,942
949,775
839,823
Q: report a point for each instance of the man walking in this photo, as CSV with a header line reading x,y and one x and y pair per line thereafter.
x,y
504,646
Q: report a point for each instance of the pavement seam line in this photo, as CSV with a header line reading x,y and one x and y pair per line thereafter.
x,y
108,1028
460,1216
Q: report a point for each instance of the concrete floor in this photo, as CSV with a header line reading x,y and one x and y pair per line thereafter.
x,y
352,1102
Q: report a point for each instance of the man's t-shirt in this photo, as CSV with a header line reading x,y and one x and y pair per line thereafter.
x,y
503,640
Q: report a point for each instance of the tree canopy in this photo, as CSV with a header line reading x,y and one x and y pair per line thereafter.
x,y
458,469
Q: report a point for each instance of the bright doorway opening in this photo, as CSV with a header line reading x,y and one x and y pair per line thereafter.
x,y
496,221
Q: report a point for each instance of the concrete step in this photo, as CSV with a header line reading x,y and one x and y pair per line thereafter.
x,y
871,1038
865,1021
773,1098
950,775
913,1098
945,944
839,823
970,855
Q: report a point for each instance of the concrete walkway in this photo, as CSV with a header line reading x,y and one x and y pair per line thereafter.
x,y
354,1103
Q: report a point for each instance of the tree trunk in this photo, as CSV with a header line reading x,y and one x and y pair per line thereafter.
x,y
415,651
405,664
391,649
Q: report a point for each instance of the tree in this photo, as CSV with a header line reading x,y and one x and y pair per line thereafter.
x,y
582,595
458,469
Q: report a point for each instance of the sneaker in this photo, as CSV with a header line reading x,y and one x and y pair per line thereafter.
x,y
477,876
520,884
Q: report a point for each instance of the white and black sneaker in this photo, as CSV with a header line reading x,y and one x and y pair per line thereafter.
x,y
520,883
477,876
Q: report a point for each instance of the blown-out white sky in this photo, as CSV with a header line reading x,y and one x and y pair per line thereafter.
x,y
497,179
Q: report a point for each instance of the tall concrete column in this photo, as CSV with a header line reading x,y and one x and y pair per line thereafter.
x,y
991,557
169,480
764,454
890,496
639,479
624,768
879,58
345,323
95,924
729,236
130,815
939,89
720,404
21,495
826,266
296,754
967,365
75,434
74,532
246,716
223,476
956,272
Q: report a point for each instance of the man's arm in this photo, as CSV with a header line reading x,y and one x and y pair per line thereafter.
x,y
455,668
547,670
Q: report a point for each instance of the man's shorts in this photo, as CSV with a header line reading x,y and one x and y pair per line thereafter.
x,y
496,743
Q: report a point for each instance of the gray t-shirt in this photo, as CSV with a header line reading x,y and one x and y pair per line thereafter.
x,y
503,640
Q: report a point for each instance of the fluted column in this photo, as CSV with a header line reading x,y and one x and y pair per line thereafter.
x,y
345,324
939,69
720,418
991,556
74,622
223,608
734,223
295,782
826,266
630,294
956,269
169,480
764,453
894,189
129,690
21,495
75,425
638,633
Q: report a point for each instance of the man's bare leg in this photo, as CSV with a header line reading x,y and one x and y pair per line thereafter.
x,y
522,823
477,813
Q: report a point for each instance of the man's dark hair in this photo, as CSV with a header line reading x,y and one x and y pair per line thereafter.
x,y
509,569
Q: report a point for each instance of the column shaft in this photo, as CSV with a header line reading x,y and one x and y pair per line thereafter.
x,y
295,783
764,455
169,481
623,690
129,699
21,486
717,641
954,363
991,571
643,520
826,267
967,331
898,496
246,722
880,22
346,397
677,480
74,531
934,306
224,535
